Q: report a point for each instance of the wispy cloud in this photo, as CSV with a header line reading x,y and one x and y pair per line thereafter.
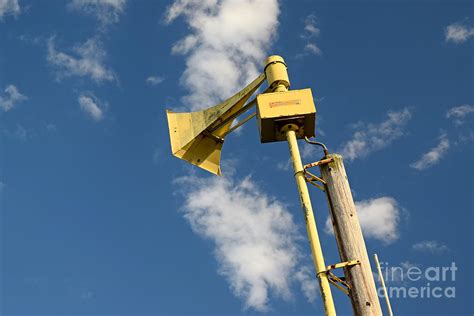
x,y
458,32
253,235
87,295
370,137
434,155
430,246
309,285
19,133
157,155
312,49
459,113
11,98
90,104
310,33
226,47
9,7
105,11
88,62
379,219
50,127
285,166
311,29
154,80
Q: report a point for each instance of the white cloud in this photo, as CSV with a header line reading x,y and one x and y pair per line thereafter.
x,y
184,46
370,137
253,234
459,113
379,219
434,155
430,246
9,7
89,61
227,45
310,27
105,11
458,33
310,33
11,98
90,104
154,80
313,49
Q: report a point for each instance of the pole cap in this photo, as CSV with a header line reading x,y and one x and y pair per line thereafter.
x,y
274,59
275,71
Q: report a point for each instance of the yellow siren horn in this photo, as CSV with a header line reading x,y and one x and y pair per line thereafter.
x,y
197,137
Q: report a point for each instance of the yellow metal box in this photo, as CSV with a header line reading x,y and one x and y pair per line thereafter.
x,y
277,109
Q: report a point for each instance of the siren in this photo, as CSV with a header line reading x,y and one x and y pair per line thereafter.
x,y
198,137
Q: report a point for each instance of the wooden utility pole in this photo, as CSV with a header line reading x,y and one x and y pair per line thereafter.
x,y
363,293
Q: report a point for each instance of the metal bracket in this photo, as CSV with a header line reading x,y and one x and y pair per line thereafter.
x,y
311,178
317,163
236,126
340,282
214,137
343,265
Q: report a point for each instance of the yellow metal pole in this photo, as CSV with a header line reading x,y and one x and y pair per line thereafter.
x,y
387,300
310,224
277,77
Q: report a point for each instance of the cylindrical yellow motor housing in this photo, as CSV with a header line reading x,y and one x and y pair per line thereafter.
x,y
275,71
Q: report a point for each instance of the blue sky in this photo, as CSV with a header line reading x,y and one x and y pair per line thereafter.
x,y
98,218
